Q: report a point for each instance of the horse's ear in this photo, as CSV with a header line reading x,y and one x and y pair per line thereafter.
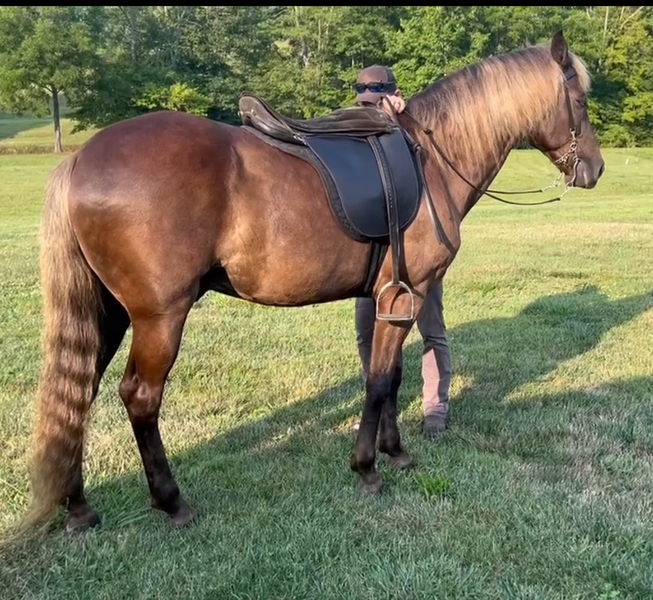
x,y
559,49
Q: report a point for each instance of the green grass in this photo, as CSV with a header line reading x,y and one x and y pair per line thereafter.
x,y
23,135
541,489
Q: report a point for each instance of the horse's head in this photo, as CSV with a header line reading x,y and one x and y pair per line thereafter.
x,y
567,137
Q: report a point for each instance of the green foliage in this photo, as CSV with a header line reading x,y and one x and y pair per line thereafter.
x,y
46,50
178,96
616,135
434,40
43,51
115,62
316,52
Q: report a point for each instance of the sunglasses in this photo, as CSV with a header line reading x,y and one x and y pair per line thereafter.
x,y
377,88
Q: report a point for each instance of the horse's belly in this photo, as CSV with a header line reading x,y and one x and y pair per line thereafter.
x,y
295,281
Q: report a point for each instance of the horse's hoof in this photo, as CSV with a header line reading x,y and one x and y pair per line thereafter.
x,y
81,520
181,517
401,461
372,486
184,515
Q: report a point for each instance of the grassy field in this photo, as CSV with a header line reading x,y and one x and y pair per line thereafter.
x,y
19,135
541,489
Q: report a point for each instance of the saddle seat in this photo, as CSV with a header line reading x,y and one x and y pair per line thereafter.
x,y
356,121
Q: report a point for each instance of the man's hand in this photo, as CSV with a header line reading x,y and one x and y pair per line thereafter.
x,y
396,101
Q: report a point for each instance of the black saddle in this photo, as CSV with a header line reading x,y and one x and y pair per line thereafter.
x,y
368,165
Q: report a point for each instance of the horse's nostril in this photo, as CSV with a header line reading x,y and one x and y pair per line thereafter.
x,y
602,169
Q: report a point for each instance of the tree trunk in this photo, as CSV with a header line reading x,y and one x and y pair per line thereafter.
x,y
57,120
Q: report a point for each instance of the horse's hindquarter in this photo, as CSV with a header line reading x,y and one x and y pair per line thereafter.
x,y
160,200
142,205
281,245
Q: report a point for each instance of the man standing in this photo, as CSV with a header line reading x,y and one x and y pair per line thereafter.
x,y
373,85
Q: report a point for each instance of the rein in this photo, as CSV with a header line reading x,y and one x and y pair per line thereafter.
x,y
571,153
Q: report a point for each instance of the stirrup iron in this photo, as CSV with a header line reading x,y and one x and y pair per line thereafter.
x,y
390,316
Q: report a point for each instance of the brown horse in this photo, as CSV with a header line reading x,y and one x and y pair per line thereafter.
x,y
154,211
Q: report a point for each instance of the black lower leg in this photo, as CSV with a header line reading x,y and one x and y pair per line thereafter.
x,y
79,514
154,349
163,489
389,438
381,380
363,457
164,492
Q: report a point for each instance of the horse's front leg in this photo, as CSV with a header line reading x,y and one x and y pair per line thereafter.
x,y
389,437
381,379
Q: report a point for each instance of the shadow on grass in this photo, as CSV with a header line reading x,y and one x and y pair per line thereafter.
x,y
502,354
498,355
11,126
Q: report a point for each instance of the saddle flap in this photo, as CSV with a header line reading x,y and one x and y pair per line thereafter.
x,y
361,194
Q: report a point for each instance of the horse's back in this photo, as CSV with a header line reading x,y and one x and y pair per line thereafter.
x,y
150,157
158,137
169,196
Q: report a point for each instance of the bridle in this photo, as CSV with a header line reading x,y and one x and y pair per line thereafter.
x,y
570,155
572,152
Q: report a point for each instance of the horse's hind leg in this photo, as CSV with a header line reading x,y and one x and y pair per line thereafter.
x,y
155,345
113,325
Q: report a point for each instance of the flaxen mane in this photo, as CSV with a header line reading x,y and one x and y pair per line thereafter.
x,y
483,105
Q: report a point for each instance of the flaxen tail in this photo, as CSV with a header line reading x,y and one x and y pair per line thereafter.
x,y
72,309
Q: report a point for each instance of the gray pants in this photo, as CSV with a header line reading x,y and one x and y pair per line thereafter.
x,y
436,361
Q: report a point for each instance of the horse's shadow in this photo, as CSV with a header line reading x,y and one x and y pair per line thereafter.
x,y
496,357
507,363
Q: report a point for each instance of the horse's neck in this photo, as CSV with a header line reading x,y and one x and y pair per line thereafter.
x,y
468,163
479,172
482,177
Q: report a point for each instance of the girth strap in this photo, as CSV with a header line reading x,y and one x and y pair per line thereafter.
x,y
391,204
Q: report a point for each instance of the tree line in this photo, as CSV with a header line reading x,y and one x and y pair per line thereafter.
x,y
114,62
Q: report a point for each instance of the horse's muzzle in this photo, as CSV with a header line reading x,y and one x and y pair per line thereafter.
x,y
587,174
